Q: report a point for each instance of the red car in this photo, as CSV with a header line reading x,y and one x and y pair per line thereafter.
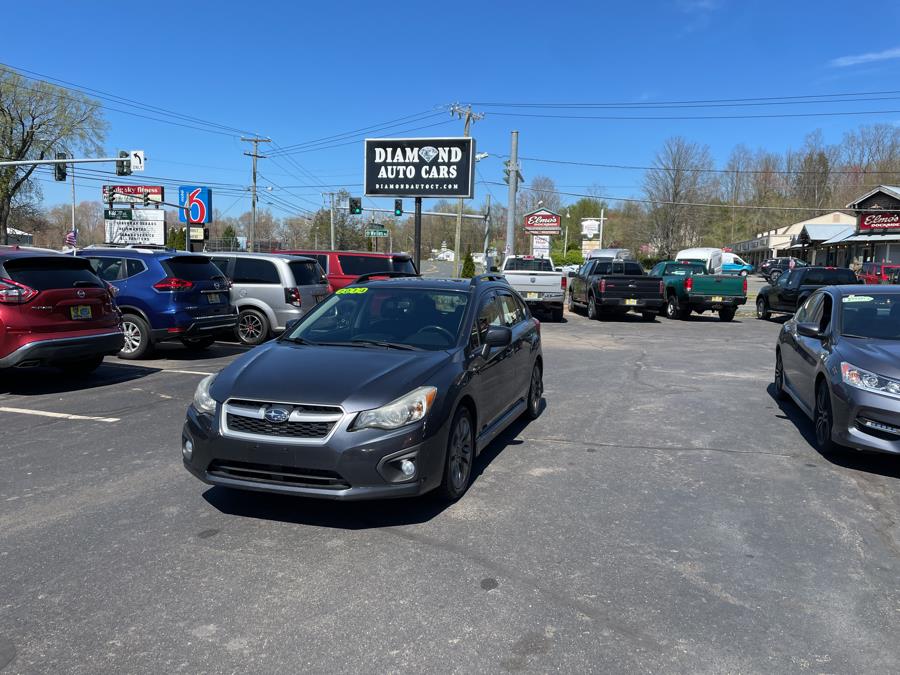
x,y
877,273
345,267
54,311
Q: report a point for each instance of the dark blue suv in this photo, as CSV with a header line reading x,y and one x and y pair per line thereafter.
x,y
165,295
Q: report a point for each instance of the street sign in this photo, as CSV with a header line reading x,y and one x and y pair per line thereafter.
x,y
376,232
590,227
137,160
198,201
420,167
542,221
137,226
540,246
133,194
198,233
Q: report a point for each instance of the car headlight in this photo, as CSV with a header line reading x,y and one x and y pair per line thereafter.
x,y
405,410
203,401
868,381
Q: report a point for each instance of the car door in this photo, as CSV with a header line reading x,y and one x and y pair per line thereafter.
x,y
582,279
490,388
519,366
811,351
789,294
776,290
790,353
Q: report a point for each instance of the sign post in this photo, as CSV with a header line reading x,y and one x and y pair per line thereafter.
x,y
417,236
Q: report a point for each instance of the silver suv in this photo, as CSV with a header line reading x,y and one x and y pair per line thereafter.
x,y
269,290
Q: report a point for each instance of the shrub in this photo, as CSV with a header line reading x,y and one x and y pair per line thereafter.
x,y
468,267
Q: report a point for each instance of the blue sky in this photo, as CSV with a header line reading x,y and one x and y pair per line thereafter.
x,y
299,71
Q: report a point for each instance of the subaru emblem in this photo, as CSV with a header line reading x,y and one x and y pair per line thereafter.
x,y
277,415
79,293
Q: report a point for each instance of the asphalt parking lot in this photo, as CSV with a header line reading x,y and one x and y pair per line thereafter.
x,y
664,513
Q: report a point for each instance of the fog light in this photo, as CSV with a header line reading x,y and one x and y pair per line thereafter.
x,y
187,448
408,467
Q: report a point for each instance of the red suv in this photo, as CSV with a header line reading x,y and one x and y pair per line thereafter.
x,y
345,267
54,311
877,273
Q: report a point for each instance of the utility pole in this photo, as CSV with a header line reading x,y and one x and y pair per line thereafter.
x,y
469,117
331,194
513,187
256,140
602,220
74,248
487,234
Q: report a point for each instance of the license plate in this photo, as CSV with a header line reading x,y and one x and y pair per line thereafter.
x,y
631,302
213,298
80,312
532,296
717,298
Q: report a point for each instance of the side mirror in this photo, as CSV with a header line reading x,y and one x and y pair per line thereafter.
x,y
809,330
290,325
498,336
571,275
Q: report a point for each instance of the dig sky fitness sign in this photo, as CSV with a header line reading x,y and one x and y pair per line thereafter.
x,y
420,167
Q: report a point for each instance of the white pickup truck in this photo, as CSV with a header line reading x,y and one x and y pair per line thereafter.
x,y
538,282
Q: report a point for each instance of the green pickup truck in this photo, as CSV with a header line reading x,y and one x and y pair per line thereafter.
x,y
689,288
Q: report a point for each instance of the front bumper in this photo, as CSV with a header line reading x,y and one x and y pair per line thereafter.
x,y
195,327
351,465
864,420
64,350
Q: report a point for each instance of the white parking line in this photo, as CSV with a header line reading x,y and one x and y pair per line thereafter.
x,y
186,372
64,416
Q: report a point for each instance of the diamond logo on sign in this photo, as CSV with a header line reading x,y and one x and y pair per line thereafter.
x,y
428,153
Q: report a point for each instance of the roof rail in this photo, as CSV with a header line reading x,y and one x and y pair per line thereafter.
x,y
389,275
493,276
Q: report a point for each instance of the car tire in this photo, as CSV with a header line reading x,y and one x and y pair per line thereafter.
x,y
780,393
648,316
460,456
592,312
726,314
823,419
198,344
672,307
743,273
571,304
762,309
85,366
137,337
252,327
535,393
557,315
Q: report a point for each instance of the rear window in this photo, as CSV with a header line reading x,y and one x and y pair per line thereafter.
x,y
43,274
305,273
827,277
367,264
523,265
191,268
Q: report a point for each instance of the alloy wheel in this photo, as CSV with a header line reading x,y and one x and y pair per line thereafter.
x,y
823,417
779,376
133,337
536,391
250,327
461,451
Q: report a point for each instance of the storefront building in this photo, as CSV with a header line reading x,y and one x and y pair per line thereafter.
x,y
783,241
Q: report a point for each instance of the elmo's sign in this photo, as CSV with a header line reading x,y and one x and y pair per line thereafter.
x,y
874,222
542,221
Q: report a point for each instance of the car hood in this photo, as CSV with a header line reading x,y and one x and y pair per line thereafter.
x,y
878,356
357,378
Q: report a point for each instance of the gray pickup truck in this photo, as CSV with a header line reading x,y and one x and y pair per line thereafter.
x,y
537,281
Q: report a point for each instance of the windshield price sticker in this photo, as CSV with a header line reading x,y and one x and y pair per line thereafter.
x,y
352,291
857,298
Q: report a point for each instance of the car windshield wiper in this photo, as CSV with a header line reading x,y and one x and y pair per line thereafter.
x,y
389,345
298,341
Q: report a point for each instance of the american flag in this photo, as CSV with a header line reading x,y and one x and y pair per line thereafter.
x,y
72,238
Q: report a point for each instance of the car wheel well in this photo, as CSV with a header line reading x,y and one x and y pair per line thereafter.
x,y
134,310
539,362
820,378
468,403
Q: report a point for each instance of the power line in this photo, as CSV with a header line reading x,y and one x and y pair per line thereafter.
x,y
353,142
694,117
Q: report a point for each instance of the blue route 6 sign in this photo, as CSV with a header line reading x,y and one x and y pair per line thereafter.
x,y
196,201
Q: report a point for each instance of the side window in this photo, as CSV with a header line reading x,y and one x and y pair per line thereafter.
x,y
657,271
133,267
488,315
807,309
512,315
108,269
323,261
523,308
255,271
634,269
783,279
824,319
794,280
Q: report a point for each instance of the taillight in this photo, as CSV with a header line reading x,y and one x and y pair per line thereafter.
x,y
14,293
563,282
603,285
745,285
113,290
689,284
173,284
662,287
292,296
537,324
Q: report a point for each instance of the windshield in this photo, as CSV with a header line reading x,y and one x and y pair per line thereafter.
x,y
679,269
871,316
399,317
526,265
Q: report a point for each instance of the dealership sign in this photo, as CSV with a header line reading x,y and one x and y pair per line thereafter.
x,y
420,167
542,221
133,194
875,222
138,226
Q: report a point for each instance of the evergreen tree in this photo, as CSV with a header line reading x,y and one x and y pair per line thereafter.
x,y
468,268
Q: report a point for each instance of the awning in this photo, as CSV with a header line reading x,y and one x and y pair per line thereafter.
x,y
840,236
877,238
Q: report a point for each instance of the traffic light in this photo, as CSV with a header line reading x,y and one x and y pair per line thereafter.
x,y
355,206
59,170
123,166
146,199
398,207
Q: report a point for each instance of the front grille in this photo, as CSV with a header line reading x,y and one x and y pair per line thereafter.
x,y
250,425
278,475
326,409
